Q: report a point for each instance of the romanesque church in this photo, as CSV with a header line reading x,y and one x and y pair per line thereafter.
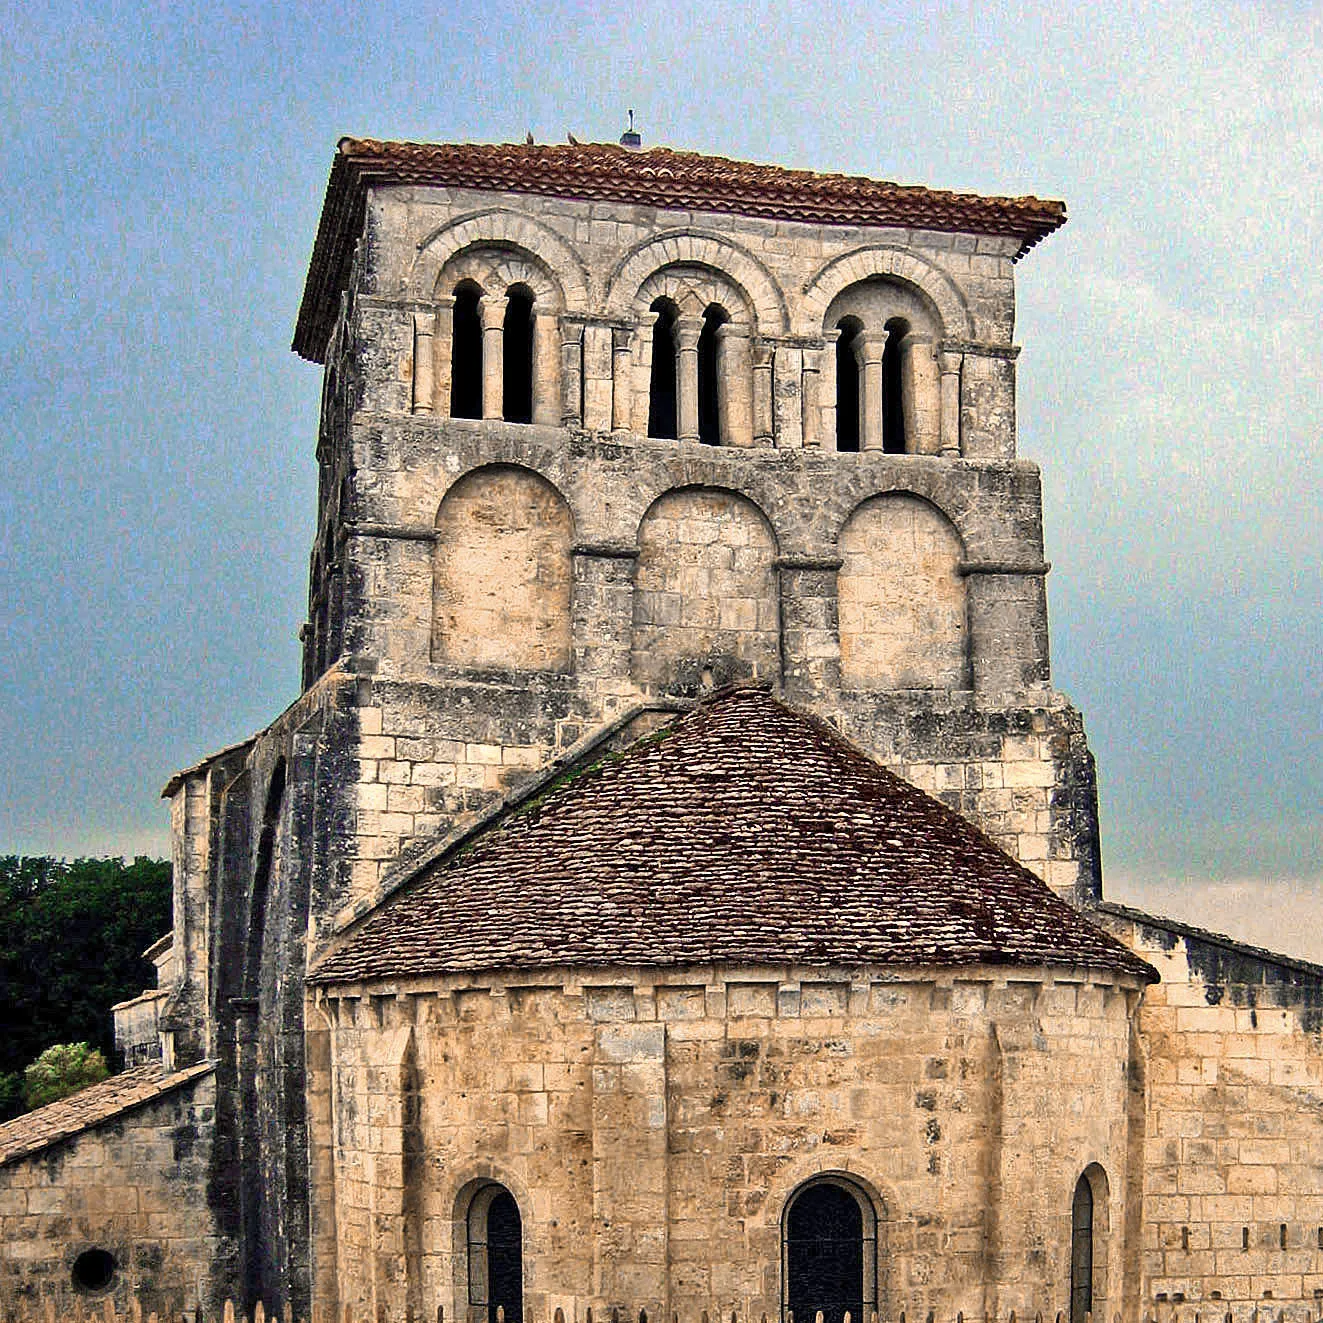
x,y
675,894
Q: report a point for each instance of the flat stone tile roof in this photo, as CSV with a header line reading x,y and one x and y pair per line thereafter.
x,y
90,1107
743,832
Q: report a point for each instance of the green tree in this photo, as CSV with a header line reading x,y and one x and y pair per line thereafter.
x,y
71,941
60,1070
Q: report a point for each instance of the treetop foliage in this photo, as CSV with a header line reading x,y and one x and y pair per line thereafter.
x,y
72,934
60,1070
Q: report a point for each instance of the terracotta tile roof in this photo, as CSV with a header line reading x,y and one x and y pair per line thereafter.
x,y
743,832
90,1107
658,177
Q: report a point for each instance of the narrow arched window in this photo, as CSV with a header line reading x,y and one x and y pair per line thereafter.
x,y
709,388
1081,1251
662,416
829,1252
517,357
495,1256
847,385
466,354
894,421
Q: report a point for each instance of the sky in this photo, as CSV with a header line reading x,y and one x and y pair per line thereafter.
x,y
167,165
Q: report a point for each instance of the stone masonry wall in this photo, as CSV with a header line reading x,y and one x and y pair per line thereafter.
x,y
136,1186
1232,1196
652,1125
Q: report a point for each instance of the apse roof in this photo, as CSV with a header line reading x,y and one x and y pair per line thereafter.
x,y
657,177
743,832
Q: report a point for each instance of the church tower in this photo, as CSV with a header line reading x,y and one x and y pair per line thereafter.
x,y
605,429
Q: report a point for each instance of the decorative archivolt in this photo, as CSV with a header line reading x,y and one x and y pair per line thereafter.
x,y
499,230
495,270
693,248
884,261
694,289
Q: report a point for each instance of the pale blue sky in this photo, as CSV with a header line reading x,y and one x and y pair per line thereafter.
x,y
166,169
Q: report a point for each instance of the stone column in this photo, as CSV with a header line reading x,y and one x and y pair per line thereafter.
x,y
597,363
424,364
622,383
443,353
949,363
687,331
787,370
827,391
920,395
546,368
735,384
643,342
870,349
811,397
763,434
571,371
492,311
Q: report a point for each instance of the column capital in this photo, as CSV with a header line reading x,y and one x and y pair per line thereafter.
x,y
734,331
491,308
687,332
870,345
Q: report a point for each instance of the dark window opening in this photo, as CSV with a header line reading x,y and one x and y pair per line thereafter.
x,y
94,1270
893,403
824,1254
466,355
709,408
496,1257
847,386
517,358
1081,1252
661,389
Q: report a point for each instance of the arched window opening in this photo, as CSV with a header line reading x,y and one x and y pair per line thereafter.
x,y
495,1256
829,1241
466,354
1081,1251
662,415
517,357
847,384
893,387
709,391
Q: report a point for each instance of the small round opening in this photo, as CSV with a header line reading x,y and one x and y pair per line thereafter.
x,y
94,1270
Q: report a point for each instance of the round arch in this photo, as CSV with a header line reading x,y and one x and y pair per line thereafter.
x,y
497,227
903,614
706,604
687,247
886,261
502,573
829,1249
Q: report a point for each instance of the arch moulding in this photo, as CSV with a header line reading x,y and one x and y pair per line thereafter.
x,y
894,263
495,465
687,247
844,514
707,488
501,228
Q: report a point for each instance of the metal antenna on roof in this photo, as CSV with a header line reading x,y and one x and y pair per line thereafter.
x,y
630,140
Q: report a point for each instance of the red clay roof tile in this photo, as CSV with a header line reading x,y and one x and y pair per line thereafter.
x,y
658,177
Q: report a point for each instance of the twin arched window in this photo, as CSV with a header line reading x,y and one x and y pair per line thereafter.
x,y
875,406
473,381
684,390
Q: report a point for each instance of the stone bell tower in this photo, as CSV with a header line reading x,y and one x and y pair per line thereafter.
x,y
605,428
